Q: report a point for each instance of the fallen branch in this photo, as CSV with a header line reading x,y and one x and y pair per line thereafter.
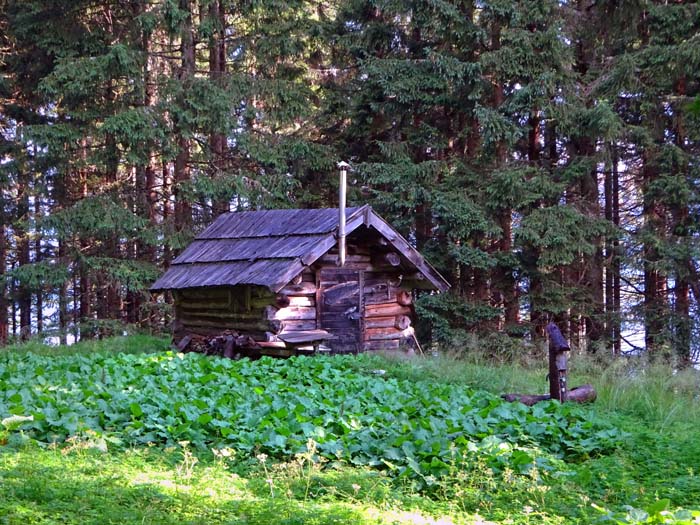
x,y
580,394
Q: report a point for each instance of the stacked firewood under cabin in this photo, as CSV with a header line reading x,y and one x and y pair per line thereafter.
x,y
275,283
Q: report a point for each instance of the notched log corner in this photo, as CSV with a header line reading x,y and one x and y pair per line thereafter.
x,y
580,394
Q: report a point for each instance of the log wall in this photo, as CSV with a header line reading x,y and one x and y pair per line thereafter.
x,y
211,311
365,305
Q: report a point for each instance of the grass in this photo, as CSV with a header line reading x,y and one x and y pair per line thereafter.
x,y
88,481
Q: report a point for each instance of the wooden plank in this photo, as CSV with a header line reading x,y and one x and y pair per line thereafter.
x,y
184,342
305,336
338,326
340,293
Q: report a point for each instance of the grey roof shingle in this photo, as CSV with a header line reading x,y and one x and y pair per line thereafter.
x,y
269,248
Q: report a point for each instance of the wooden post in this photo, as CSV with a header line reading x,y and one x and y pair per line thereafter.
x,y
558,348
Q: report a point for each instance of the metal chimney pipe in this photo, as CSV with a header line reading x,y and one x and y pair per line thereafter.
x,y
342,197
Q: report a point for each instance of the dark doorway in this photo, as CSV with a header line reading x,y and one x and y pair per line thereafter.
x,y
340,307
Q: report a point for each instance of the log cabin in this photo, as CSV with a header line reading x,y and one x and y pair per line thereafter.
x,y
282,282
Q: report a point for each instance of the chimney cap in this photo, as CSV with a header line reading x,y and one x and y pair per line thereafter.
x,y
344,165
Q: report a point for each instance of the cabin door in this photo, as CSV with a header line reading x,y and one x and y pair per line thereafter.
x,y
340,307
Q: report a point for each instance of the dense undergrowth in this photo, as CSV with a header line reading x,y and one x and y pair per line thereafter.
x,y
357,439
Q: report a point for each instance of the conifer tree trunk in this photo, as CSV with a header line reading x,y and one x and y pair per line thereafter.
x,y
593,264
38,257
217,71
3,265
538,317
181,173
85,294
504,275
654,280
616,264
24,296
611,314
681,230
62,297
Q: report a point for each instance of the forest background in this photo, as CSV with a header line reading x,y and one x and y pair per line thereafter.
x,y
542,154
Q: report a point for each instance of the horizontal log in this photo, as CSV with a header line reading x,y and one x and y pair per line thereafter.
x,y
404,298
301,300
581,394
221,314
386,259
240,326
336,326
295,312
271,344
352,248
212,304
306,336
381,345
388,332
277,352
378,298
206,331
202,293
258,303
331,258
385,309
282,301
302,288
292,325
380,322
402,322
377,335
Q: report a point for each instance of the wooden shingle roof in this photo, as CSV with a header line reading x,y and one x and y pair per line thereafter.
x,y
270,248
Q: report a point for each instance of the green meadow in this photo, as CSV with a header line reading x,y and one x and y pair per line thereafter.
x,y
126,431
